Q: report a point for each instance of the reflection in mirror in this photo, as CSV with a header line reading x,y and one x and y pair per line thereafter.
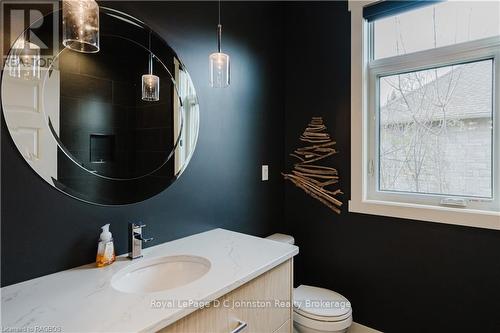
x,y
82,123
185,127
100,95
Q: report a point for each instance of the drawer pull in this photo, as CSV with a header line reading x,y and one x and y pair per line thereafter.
x,y
241,326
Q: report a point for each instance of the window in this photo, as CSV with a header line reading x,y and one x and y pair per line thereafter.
x,y
428,136
435,131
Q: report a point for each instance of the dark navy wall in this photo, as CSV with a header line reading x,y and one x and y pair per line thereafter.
x,y
44,231
400,275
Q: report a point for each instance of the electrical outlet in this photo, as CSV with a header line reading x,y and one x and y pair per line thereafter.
x,y
265,172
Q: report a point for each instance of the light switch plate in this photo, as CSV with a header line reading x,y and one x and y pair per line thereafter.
x,y
265,172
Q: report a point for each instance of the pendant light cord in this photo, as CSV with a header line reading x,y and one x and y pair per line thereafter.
x,y
150,56
219,33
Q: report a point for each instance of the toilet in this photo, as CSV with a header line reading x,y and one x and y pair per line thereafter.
x,y
317,310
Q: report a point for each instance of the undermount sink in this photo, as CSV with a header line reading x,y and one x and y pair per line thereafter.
x,y
160,274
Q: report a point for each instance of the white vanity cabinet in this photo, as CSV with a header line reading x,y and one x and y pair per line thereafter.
x,y
262,305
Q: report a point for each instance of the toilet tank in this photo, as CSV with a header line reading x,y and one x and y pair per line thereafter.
x,y
282,238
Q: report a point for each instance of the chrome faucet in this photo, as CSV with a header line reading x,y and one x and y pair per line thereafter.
x,y
135,240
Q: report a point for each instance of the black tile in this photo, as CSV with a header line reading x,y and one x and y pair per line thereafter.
x,y
96,65
69,112
154,116
97,116
121,117
124,93
86,87
147,162
69,62
156,139
124,139
74,138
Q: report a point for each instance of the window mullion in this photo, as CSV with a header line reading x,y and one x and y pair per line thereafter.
x,y
438,57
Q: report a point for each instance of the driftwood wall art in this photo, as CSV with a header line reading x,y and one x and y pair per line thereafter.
x,y
316,179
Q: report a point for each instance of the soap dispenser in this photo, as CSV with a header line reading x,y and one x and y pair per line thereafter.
x,y
105,248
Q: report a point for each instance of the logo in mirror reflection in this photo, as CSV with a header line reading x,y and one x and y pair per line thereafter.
x,y
29,39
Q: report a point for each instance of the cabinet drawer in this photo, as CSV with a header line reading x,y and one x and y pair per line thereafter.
x,y
254,303
202,321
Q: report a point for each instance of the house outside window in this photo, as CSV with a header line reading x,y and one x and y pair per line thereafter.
x,y
435,131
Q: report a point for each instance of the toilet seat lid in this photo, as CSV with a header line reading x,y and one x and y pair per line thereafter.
x,y
320,303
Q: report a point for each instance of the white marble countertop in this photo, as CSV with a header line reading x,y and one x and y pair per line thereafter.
x,y
82,299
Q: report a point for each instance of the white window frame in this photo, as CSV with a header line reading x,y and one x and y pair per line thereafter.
x,y
364,195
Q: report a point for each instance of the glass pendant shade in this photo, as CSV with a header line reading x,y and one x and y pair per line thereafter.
x,y
219,70
24,60
81,25
150,82
150,88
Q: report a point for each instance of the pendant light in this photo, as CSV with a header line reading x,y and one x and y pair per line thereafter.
x,y
81,25
150,82
24,60
219,63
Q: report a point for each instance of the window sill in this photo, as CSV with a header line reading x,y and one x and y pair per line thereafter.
x,y
448,215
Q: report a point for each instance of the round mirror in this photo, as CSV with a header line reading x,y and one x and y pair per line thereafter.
x,y
111,127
